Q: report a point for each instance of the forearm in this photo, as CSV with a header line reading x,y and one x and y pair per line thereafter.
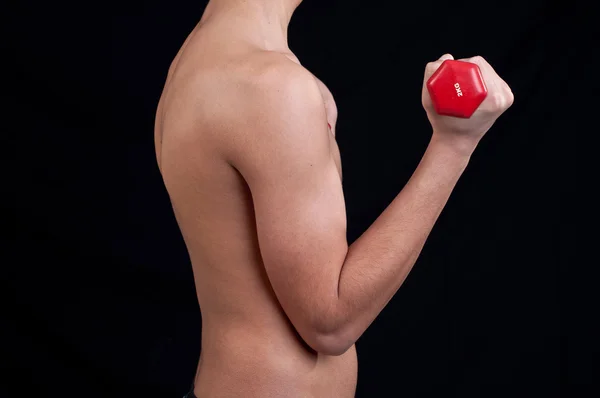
x,y
378,262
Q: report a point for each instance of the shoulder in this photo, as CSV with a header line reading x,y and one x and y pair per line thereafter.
x,y
274,95
282,116
282,82
262,87
283,97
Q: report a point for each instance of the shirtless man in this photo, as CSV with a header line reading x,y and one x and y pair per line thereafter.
x,y
245,144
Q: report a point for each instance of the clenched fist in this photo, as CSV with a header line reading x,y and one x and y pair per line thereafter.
x,y
466,133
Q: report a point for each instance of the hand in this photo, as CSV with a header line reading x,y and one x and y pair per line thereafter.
x,y
466,133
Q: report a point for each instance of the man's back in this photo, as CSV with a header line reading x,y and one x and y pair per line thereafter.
x,y
249,346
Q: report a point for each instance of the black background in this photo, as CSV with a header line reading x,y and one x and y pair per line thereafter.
x,y
100,294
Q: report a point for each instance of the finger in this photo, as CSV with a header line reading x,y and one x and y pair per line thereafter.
x,y
501,94
483,64
509,94
489,72
490,77
431,67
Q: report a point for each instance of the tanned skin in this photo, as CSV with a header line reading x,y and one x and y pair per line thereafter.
x,y
254,175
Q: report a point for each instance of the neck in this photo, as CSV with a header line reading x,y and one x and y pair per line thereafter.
x,y
262,22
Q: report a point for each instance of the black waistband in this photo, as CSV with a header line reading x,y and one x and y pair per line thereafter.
x,y
191,393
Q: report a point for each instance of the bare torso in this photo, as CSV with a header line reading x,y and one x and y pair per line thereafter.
x,y
249,347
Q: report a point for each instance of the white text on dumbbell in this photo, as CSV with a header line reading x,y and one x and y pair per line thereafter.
x,y
458,90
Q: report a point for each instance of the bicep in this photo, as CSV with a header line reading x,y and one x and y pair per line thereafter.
x,y
301,227
299,207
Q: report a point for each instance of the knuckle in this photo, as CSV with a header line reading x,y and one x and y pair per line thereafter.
x,y
498,100
478,59
511,98
511,95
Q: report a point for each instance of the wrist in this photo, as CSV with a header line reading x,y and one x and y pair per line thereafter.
x,y
461,147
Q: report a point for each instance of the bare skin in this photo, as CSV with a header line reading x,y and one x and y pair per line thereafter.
x,y
254,176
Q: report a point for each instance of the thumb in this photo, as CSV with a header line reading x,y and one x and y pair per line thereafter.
x,y
431,67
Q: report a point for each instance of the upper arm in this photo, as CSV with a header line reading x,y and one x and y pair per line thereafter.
x,y
285,157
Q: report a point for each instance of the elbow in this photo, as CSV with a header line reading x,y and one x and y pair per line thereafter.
x,y
328,330
334,343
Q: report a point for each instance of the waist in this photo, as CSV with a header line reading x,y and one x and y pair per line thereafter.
x,y
268,361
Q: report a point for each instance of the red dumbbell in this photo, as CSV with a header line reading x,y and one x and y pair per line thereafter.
x,y
456,88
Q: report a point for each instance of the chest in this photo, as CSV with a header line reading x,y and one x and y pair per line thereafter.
x,y
331,113
335,151
335,154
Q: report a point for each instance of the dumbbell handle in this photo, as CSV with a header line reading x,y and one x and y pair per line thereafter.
x,y
457,88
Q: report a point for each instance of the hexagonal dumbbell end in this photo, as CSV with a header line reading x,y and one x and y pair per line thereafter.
x,y
456,88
